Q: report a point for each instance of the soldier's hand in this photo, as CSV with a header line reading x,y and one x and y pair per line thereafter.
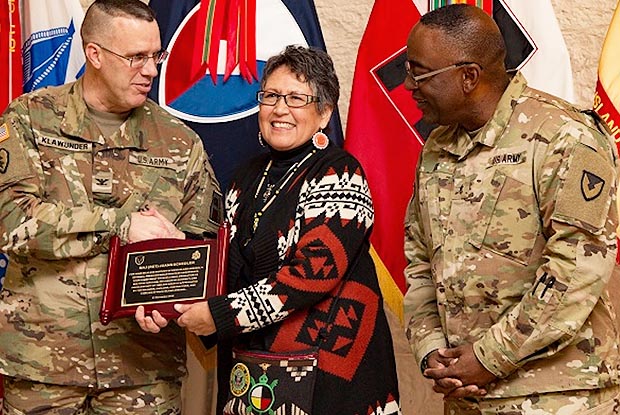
x,y
150,224
196,318
153,323
171,230
466,368
446,385
437,361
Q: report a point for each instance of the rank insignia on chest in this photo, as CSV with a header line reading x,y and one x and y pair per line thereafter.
x,y
102,182
591,185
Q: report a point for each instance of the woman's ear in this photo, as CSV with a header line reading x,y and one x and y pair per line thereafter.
x,y
326,115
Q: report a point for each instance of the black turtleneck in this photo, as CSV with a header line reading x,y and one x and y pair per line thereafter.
x,y
284,160
281,163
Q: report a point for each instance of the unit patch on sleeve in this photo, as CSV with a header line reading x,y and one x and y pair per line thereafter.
x,y
14,165
4,132
4,160
586,192
591,185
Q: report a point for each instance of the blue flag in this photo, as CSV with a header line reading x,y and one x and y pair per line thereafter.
x,y
52,50
224,112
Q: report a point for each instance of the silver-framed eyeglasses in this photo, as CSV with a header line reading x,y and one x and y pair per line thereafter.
x,y
139,61
292,100
419,78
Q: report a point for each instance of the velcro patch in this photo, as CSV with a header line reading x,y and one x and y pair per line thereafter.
x,y
507,158
4,132
13,163
152,161
4,160
62,143
102,182
585,194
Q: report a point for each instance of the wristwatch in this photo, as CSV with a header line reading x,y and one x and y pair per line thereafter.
x,y
424,363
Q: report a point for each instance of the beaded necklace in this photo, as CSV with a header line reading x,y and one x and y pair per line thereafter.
x,y
268,196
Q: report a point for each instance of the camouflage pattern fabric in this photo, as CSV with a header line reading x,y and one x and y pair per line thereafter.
x,y
31,398
64,190
510,238
583,402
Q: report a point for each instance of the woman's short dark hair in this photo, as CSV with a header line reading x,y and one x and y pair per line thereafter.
x,y
310,65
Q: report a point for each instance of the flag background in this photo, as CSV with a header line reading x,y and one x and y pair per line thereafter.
x,y
607,105
10,52
607,93
52,50
225,114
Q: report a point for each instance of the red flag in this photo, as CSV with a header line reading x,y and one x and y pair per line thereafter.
x,y
607,94
10,52
380,127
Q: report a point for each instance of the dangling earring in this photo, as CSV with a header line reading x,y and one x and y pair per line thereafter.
x,y
260,140
320,140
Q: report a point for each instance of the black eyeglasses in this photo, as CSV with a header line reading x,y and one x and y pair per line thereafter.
x,y
417,79
292,100
139,61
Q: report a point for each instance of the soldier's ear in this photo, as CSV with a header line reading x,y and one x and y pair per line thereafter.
x,y
471,77
93,54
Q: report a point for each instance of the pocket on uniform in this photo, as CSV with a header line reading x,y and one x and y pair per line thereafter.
x,y
431,216
507,222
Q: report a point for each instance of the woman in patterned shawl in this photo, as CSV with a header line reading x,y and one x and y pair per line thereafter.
x,y
301,217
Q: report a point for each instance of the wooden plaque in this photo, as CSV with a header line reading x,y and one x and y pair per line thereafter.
x,y
159,273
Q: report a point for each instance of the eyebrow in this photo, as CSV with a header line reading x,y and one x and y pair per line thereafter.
x,y
417,64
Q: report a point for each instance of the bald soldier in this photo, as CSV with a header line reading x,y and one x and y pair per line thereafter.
x,y
78,164
510,234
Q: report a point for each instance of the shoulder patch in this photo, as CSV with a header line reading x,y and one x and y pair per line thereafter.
x,y
586,193
4,132
4,160
14,165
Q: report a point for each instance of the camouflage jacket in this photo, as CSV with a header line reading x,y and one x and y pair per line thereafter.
x,y
510,241
64,189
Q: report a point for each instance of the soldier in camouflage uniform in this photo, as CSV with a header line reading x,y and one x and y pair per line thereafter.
x,y
79,163
510,234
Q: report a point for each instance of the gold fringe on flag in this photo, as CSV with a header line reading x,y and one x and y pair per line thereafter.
x,y
392,296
